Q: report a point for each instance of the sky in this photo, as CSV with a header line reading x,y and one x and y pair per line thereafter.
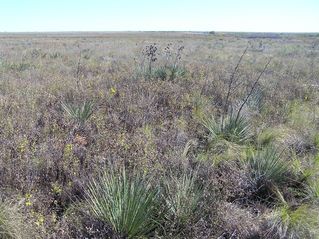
x,y
159,15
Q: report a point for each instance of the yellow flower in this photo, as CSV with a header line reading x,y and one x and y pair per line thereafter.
x,y
112,91
40,220
23,145
56,188
28,195
68,150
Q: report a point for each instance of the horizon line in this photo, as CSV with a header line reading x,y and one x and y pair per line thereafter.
x,y
149,31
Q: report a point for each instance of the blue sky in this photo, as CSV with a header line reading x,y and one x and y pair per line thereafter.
x,y
159,15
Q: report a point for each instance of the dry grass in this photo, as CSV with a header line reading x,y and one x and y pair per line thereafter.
x,y
150,125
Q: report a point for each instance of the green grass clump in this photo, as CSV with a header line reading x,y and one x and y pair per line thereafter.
x,y
267,166
130,205
301,114
182,195
268,136
312,191
169,73
79,113
256,100
232,127
11,223
295,222
17,67
316,140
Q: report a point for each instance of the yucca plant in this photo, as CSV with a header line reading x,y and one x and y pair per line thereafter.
x,y
130,205
267,166
176,71
232,127
182,195
161,73
79,113
11,223
255,101
169,72
300,222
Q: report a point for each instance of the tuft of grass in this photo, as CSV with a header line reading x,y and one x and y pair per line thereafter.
x,y
301,114
232,127
17,67
130,205
161,73
268,136
316,140
79,113
312,191
182,195
11,223
267,166
256,100
294,222
169,73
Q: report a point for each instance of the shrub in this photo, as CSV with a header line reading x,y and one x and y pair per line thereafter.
x,y
130,205
79,113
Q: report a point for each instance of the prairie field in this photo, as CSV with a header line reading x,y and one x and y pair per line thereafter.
x,y
159,135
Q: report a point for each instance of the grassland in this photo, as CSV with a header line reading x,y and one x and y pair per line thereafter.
x,y
159,135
